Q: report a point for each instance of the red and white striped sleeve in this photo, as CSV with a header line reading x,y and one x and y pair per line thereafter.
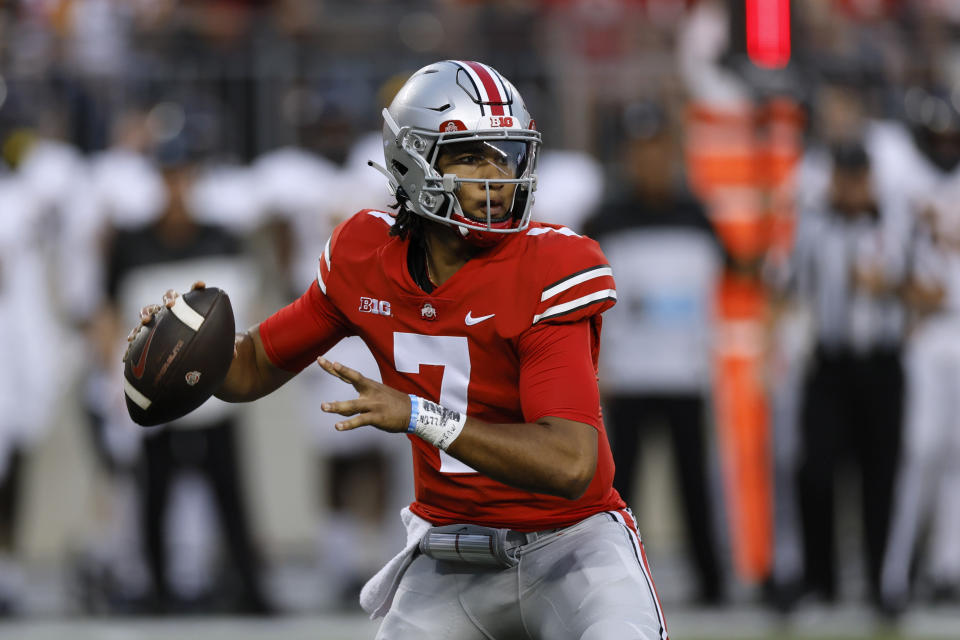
x,y
323,267
577,283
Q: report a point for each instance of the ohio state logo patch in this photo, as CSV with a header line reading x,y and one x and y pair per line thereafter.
x,y
452,125
428,311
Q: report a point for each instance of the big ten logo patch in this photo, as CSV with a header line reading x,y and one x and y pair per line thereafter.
x,y
374,306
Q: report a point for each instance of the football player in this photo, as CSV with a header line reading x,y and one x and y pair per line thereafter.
x,y
486,329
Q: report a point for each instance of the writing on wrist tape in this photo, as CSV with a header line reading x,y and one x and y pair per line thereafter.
x,y
435,424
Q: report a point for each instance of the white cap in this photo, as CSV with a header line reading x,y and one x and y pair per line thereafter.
x,y
292,180
227,195
49,170
129,186
569,188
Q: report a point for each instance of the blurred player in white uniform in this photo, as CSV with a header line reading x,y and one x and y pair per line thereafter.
x,y
362,480
928,482
32,363
117,188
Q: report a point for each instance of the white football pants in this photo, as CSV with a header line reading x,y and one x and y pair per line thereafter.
x,y
929,474
590,584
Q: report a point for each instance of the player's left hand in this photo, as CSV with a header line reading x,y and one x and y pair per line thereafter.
x,y
377,405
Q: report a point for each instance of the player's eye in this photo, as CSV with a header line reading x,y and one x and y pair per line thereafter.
x,y
468,158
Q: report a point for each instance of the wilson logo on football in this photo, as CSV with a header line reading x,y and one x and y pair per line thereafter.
x,y
374,306
192,377
428,312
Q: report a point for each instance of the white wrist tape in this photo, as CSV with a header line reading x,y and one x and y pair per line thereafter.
x,y
435,424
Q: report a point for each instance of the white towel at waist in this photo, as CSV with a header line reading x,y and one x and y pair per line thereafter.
x,y
377,594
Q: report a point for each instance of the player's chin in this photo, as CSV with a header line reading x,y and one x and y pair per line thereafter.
x,y
498,214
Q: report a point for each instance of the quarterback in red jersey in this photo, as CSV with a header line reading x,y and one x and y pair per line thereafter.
x,y
486,330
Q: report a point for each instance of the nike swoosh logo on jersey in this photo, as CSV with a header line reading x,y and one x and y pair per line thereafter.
x,y
470,320
137,369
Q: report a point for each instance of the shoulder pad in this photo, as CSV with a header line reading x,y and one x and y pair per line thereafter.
x,y
574,280
361,232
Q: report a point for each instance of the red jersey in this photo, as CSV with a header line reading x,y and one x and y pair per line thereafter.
x,y
511,337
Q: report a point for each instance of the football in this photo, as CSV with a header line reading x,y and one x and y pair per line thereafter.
x,y
178,360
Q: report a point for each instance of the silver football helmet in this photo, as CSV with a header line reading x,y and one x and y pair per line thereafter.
x,y
454,103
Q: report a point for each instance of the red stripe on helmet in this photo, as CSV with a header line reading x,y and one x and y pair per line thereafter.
x,y
495,100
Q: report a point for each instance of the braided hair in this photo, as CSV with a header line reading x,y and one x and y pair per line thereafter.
x,y
406,223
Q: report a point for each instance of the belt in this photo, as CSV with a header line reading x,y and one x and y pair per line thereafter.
x,y
518,538
479,545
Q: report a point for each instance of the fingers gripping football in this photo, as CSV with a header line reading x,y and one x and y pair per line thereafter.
x,y
377,404
148,312
170,297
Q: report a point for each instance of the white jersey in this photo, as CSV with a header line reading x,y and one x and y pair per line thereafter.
x,y
32,362
657,338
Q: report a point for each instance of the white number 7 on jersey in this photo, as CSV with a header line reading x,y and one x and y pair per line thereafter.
x,y
410,350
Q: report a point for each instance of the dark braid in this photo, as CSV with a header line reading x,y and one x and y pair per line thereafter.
x,y
407,223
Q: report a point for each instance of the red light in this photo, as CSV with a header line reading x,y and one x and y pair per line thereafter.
x,y
768,32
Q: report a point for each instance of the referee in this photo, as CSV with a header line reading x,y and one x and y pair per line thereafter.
x,y
849,267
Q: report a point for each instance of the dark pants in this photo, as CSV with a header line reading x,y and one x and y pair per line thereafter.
x,y
627,418
212,452
852,410
10,499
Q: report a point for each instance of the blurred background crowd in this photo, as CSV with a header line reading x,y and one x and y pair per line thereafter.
x,y
776,184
